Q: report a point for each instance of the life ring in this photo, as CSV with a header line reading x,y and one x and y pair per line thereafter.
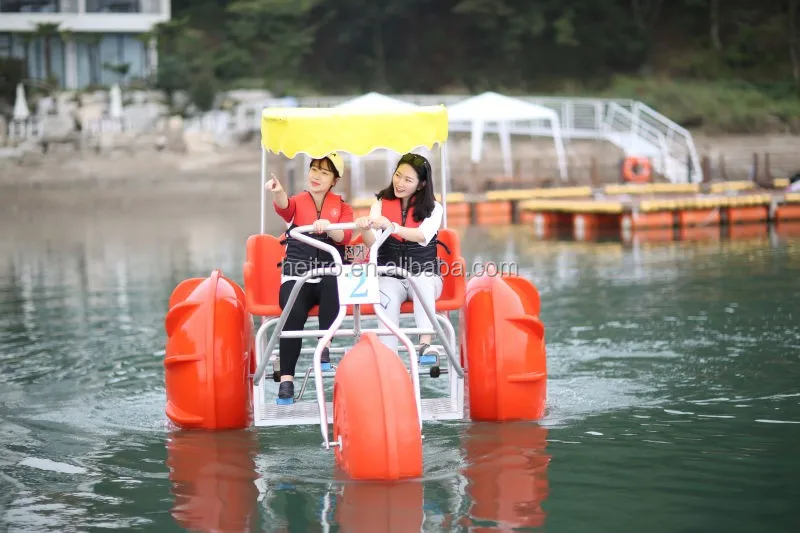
x,y
637,170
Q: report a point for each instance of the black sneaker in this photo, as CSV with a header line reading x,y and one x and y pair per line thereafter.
x,y
325,357
286,393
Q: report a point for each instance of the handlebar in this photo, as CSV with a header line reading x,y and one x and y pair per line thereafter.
x,y
299,233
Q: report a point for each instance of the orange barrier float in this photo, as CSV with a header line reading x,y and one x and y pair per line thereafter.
x,y
787,212
493,212
745,214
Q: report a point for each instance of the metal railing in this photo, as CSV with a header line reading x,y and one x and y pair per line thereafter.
x,y
629,124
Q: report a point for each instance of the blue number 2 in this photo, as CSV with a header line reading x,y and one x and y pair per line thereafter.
x,y
355,292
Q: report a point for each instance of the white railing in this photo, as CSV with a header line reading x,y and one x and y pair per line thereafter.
x,y
631,125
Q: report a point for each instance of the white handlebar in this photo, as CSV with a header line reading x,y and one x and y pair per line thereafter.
x,y
299,233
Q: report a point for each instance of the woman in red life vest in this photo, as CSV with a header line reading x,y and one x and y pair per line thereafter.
x,y
409,203
316,206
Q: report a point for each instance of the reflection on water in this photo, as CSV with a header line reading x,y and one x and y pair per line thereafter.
x,y
673,393
213,479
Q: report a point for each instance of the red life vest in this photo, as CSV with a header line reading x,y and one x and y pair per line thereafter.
x,y
393,210
306,213
396,251
302,257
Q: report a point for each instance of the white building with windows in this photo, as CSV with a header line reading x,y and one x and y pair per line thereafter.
x,y
92,43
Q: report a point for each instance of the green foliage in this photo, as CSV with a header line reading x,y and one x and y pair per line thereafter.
x,y
344,46
12,71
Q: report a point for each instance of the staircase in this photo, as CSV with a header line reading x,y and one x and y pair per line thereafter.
x,y
642,132
637,129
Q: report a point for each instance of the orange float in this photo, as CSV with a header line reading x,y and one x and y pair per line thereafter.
x,y
208,358
375,414
637,170
503,349
213,478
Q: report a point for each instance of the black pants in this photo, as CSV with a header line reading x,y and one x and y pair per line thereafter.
x,y
325,294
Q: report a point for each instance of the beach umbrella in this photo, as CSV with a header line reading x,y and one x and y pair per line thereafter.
x,y
115,95
21,111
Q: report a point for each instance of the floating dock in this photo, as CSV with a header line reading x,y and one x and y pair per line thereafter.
x,y
625,207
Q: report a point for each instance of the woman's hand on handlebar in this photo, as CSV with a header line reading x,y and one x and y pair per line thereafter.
x,y
320,225
363,223
381,222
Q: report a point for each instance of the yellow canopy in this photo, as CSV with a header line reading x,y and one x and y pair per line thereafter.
x,y
320,131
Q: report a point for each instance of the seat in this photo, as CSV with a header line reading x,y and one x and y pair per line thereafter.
x,y
262,276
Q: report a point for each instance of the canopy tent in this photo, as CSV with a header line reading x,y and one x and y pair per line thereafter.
x,y
372,101
491,107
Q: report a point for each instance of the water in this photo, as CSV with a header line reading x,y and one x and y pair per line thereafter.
x,y
673,394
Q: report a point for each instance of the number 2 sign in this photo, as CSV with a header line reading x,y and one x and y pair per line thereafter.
x,y
358,284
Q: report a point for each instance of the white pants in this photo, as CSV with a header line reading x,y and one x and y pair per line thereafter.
x,y
395,291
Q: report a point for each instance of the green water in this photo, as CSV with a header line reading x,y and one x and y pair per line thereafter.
x,y
673,395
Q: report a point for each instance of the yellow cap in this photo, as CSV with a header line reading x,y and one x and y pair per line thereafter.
x,y
337,161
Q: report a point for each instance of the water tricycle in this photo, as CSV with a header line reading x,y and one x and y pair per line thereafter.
x,y
216,360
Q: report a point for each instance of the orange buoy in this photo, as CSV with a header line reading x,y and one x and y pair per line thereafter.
x,y
375,414
503,349
213,478
637,170
506,474
209,355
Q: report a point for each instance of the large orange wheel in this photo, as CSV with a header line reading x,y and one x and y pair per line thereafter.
x,y
502,343
375,415
209,355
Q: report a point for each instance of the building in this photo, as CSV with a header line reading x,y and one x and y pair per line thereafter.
x,y
82,42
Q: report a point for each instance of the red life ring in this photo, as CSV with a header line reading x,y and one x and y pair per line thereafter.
x,y
637,170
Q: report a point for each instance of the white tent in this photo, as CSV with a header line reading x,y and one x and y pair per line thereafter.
x,y
372,101
491,107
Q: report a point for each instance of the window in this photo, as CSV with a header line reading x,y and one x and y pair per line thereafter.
x,y
113,6
30,6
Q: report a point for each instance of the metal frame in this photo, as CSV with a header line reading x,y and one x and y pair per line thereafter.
x,y
442,328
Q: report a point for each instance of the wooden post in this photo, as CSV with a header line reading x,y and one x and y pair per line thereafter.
x,y
594,178
706,166
767,171
723,172
755,170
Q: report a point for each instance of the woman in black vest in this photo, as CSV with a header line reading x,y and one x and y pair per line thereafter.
x,y
409,203
316,206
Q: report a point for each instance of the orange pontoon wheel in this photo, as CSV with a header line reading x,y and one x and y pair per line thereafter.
x,y
375,414
209,355
503,349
